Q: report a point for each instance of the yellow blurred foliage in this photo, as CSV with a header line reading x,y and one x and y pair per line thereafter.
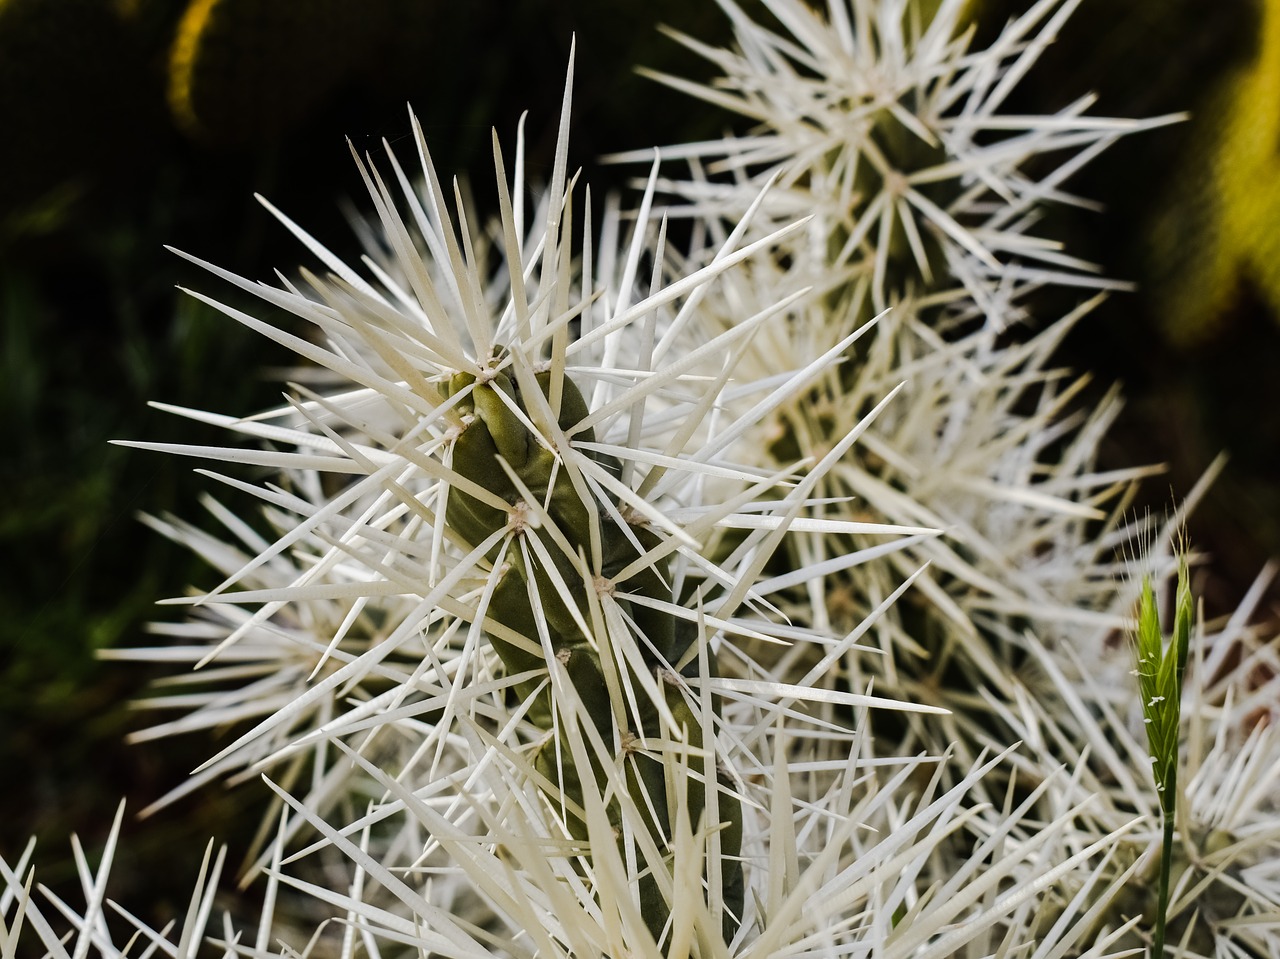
x,y
250,70
1218,229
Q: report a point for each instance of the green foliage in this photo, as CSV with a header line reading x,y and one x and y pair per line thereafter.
x,y
1160,668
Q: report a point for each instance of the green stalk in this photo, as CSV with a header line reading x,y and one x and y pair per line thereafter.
x,y
1162,890
1160,670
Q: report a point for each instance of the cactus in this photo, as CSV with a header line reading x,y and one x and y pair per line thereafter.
x,y
626,599
542,599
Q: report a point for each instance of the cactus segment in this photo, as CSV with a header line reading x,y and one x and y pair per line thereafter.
x,y
496,431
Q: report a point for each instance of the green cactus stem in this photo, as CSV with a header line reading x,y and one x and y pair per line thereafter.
x,y
496,432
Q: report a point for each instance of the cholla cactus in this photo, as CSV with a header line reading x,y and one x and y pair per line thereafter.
x,y
1011,627
622,600
498,511
881,122
880,119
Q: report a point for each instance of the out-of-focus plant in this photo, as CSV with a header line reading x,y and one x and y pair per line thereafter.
x,y
1220,240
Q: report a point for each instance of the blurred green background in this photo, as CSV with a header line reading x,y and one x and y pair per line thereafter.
x,y
129,124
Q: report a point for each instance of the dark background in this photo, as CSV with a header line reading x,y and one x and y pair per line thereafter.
x,y
102,164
